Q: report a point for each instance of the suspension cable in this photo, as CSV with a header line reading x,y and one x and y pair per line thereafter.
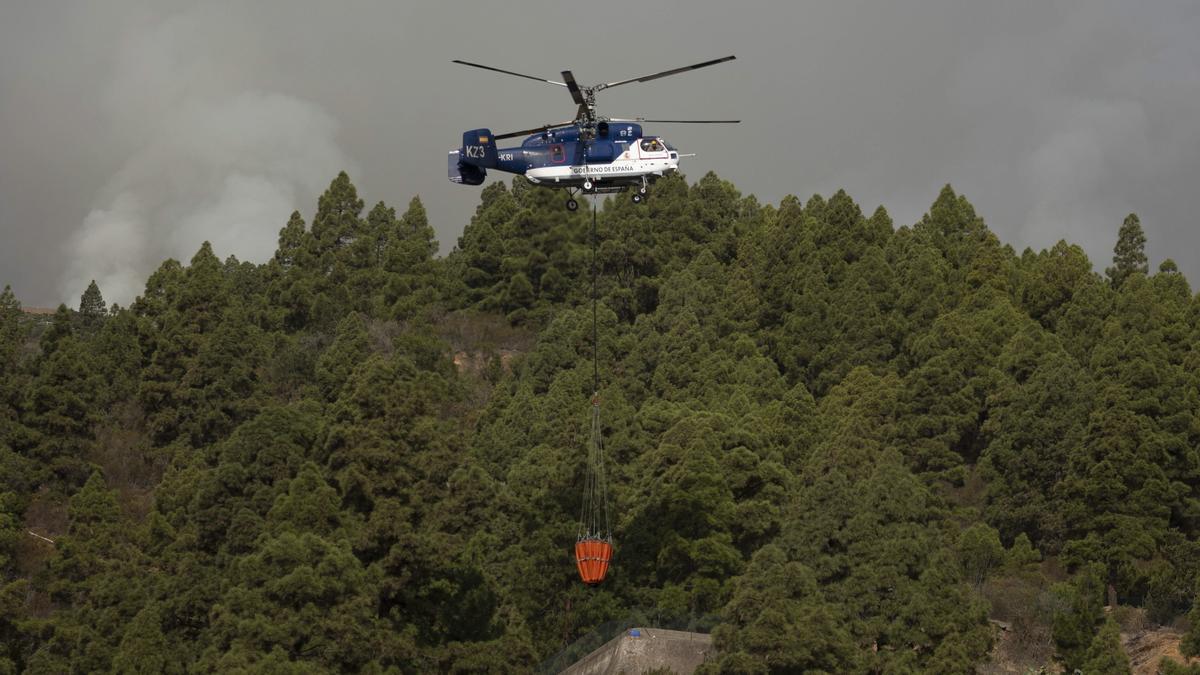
x,y
595,340
594,519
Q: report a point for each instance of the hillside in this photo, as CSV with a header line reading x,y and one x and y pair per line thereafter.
x,y
839,444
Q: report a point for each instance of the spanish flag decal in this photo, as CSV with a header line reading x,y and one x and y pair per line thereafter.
x,y
483,139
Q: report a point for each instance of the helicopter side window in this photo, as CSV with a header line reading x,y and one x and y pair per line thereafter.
x,y
556,154
651,145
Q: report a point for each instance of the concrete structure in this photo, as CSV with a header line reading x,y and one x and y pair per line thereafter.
x,y
639,650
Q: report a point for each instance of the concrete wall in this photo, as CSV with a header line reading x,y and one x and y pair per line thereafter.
x,y
654,648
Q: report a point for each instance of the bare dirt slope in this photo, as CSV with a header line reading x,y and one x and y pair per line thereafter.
x,y
1011,655
1147,648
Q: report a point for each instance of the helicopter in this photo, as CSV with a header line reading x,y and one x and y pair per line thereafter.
x,y
587,155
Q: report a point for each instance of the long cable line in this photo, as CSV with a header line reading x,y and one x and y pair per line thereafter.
x,y
595,340
594,520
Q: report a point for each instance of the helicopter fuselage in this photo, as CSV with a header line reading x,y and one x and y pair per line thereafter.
x,y
614,158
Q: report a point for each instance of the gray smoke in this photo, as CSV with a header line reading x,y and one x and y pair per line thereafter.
x,y
132,130
214,161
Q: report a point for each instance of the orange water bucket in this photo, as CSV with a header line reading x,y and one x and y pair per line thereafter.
x,y
592,557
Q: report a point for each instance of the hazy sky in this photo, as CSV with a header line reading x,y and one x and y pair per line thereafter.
x,y
132,131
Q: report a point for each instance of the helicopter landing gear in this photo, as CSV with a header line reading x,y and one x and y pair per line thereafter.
x,y
572,205
640,195
587,185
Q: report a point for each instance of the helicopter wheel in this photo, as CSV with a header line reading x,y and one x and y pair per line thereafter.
x,y
587,185
637,198
572,204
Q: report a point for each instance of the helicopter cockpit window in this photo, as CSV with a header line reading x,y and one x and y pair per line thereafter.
x,y
651,145
557,154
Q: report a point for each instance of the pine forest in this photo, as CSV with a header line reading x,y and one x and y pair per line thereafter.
x,y
837,444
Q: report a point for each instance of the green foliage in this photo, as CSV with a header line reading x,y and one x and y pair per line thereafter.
x,y
827,440
350,347
60,410
980,552
1105,655
1129,255
1022,554
1190,645
1036,422
1169,667
1051,278
783,624
144,648
91,304
1078,614
304,597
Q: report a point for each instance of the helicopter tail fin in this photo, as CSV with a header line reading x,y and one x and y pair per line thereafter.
x,y
479,149
462,173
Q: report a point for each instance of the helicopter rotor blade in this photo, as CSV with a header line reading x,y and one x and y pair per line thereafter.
x,y
527,132
509,72
643,119
665,73
576,95
573,87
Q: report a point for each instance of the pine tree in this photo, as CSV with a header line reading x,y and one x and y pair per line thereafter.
x,y
1105,655
1037,418
337,223
518,297
62,326
118,358
291,243
1170,667
415,229
1050,279
13,605
1078,613
91,304
60,409
351,346
980,553
11,333
1190,645
330,254
300,599
204,293
953,228
777,622
221,387
14,640
13,381
144,648
1129,255
412,279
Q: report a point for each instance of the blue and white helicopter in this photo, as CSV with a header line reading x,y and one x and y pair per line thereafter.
x,y
590,154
